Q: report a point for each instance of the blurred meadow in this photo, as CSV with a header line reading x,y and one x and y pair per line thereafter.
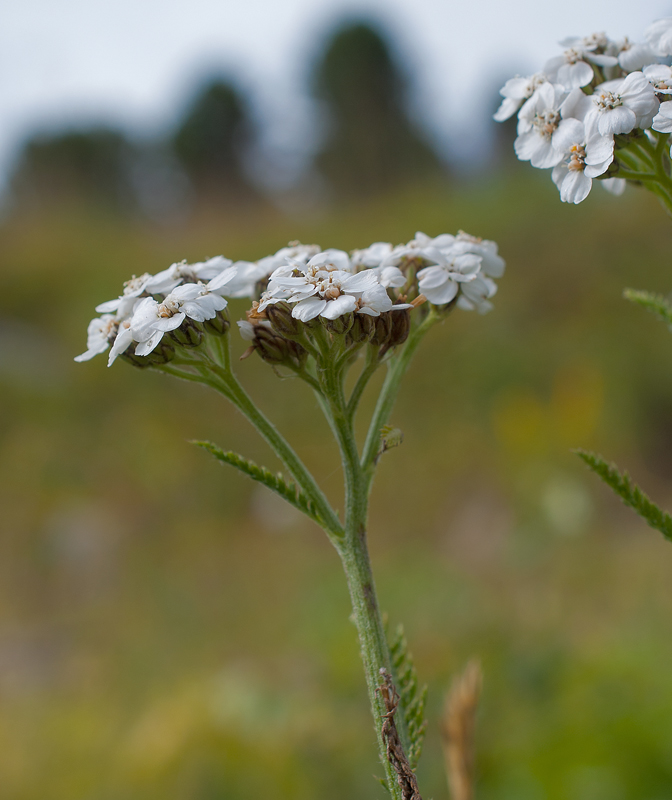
x,y
170,630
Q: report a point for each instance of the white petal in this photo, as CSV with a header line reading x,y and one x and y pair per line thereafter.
x,y
309,309
341,305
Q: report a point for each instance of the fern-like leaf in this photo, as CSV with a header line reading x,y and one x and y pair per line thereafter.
x,y
655,303
629,492
412,698
276,482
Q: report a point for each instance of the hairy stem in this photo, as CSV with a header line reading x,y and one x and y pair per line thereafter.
x,y
388,395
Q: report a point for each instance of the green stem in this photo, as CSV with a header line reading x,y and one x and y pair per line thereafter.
x,y
374,648
396,369
357,566
370,366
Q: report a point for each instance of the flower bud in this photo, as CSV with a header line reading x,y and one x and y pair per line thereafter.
x,y
187,335
218,325
284,324
140,362
340,325
272,348
361,330
401,327
382,328
162,354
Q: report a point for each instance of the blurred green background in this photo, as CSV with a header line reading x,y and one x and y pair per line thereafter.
x,y
170,630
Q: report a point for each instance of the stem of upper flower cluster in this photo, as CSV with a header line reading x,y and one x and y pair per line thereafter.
x,y
388,395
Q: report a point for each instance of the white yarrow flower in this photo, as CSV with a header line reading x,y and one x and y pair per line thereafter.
x,y
623,105
440,283
586,154
181,272
123,304
573,69
537,122
515,92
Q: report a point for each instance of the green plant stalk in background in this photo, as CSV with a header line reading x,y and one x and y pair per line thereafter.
x,y
211,365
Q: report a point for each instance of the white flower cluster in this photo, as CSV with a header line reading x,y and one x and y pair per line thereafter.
x,y
183,301
569,114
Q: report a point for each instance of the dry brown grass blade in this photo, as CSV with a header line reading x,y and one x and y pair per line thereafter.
x,y
458,728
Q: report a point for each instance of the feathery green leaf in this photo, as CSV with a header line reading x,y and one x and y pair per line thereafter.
x,y
655,303
629,493
412,699
288,490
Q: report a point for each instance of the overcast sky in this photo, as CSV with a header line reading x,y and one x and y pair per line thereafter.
x,y
135,62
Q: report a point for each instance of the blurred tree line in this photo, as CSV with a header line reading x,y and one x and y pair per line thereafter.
x,y
370,144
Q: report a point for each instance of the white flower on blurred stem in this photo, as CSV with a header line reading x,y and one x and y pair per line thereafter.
x,y
151,319
318,289
123,304
475,296
372,256
615,186
248,275
389,276
623,105
585,155
662,122
573,68
492,263
375,301
99,333
294,251
515,92
660,77
537,122
441,283
659,36
122,341
181,272
633,56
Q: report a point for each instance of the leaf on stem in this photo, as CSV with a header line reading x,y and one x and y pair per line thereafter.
x,y
276,482
411,699
655,303
389,437
629,493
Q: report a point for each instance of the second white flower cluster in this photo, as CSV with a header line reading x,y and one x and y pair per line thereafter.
x,y
176,307
598,88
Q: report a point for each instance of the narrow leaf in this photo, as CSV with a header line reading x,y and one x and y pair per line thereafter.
x,y
288,490
412,700
655,303
629,492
